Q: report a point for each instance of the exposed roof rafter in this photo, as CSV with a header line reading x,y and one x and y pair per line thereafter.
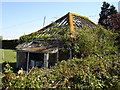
x,y
71,19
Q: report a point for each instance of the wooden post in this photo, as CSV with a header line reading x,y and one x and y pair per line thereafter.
x,y
46,58
17,59
70,53
27,62
57,56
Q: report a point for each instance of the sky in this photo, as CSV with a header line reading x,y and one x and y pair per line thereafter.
x,y
19,18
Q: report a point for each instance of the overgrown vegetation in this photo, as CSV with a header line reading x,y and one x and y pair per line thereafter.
x,y
96,64
52,32
89,73
84,41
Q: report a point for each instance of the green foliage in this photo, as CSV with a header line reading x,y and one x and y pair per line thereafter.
x,y
98,67
9,44
91,72
106,11
53,32
87,41
84,41
114,21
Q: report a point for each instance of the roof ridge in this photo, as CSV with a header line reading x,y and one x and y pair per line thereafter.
x,y
68,14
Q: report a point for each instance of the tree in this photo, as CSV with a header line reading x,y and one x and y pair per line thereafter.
x,y
106,11
114,26
114,22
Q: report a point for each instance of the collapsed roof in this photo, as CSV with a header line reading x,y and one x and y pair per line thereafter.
x,y
72,20
39,46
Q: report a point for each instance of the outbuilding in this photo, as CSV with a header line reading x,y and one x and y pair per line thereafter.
x,y
41,53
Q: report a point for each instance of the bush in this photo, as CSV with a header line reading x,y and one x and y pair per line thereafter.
x,y
9,44
91,72
95,40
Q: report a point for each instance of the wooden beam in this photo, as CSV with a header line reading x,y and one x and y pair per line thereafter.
x,y
27,62
48,26
71,22
70,54
57,56
17,59
46,58
84,17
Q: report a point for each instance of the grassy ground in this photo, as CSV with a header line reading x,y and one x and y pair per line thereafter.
x,y
7,56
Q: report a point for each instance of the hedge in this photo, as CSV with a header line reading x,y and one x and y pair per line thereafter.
x,y
9,44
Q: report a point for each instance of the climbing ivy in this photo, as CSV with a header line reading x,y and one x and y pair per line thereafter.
x,y
91,72
98,66
82,41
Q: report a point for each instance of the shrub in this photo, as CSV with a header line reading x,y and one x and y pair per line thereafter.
x,y
95,40
91,72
